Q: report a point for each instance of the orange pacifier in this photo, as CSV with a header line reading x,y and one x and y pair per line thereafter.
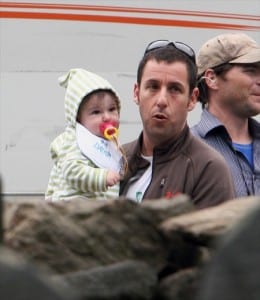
x,y
109,130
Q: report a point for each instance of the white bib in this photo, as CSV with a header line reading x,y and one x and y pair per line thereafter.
x,y
102,152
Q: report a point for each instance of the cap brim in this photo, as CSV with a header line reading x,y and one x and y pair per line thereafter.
x,y
252,57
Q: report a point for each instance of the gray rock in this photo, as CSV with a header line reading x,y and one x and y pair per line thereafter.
x,y
128,280
22,281
234,272
182,285
87,234
94,243
204,226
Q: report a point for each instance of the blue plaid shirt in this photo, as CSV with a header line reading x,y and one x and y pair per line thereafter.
x,y
246,179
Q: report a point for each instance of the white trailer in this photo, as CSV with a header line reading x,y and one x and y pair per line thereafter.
x,y
41,40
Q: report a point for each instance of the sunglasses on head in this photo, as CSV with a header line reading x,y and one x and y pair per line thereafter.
x,y
178,45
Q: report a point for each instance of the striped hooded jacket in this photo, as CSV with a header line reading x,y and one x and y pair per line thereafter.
x,y
73,174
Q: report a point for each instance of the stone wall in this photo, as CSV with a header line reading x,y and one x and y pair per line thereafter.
x,y
119,249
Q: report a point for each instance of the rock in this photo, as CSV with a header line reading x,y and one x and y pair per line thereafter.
x,y
78,235
101,241
204,226
131,280
182,285
234,272
21,281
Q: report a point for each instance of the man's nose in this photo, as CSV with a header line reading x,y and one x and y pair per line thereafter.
x,y
162,97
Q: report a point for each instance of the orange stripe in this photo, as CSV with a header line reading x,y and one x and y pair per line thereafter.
x,y
124,20
126,10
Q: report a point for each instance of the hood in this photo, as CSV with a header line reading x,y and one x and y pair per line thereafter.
x,y
78,84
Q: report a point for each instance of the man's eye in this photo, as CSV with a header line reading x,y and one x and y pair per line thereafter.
x,y
251,69
152,86
174,89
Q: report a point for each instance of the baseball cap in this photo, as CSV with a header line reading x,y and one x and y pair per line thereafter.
x,y
227,48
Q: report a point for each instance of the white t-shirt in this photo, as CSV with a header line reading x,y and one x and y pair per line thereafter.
x,y
138,188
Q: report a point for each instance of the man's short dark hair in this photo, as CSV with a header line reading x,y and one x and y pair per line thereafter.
x,y
169,55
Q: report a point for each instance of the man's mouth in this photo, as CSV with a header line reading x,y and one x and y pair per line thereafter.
x,y
160,116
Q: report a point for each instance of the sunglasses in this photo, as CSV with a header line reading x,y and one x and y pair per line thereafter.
x,y
178,45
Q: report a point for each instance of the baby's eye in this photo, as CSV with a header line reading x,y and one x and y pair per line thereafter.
x,y
95,112
112,109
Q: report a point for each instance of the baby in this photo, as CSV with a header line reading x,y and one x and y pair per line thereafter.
x,y
88,161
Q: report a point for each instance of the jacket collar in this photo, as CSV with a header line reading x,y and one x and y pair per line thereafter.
x,y
254,128
209,123
163,152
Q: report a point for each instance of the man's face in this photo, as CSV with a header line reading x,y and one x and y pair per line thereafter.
x,y
164,100
240,90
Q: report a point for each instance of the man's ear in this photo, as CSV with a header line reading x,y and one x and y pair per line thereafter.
x,y
136,93
193,99
210,78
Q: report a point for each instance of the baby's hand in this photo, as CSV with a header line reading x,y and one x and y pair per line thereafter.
x,y
112,178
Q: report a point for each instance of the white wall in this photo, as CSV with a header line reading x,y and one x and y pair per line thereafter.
x,y
35,52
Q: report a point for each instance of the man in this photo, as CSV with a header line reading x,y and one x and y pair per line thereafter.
x,y
229,84
166,159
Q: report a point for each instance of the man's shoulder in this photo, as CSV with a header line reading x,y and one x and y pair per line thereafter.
x,y
201,150
130,147
200,129
209,164
207,125
195,130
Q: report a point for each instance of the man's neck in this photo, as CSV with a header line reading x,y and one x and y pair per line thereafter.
x,y
147,147
236,127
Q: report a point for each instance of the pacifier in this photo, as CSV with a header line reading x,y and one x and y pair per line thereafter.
x,y
109,130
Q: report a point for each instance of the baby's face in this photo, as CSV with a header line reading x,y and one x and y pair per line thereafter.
x,y
97,110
